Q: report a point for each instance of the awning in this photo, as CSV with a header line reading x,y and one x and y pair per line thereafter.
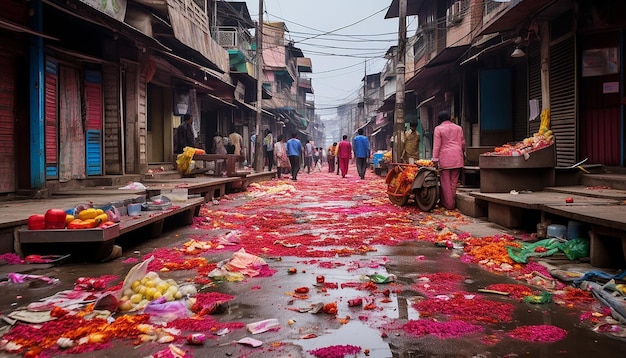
x,y
110,23
516,12
220,101
6,24
304,133
244,105
486,50
437,66
376,131
389,104
412,7
213,73
425,101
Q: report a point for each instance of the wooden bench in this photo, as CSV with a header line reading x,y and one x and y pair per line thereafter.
x,y
230,159
208,187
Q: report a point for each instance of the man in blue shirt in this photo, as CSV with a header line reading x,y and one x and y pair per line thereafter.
x,y
294,152
361,147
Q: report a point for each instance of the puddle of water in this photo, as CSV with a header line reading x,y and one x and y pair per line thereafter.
x,y
354,333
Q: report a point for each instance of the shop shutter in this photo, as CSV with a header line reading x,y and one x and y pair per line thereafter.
x,y
563,99
94,102
534,82
7,124
51,135
520,101
93,151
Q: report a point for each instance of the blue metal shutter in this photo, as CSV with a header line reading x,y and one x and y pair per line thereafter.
x,y
94,152
93,133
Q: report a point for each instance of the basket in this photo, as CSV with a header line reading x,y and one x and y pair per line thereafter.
x,y
400,178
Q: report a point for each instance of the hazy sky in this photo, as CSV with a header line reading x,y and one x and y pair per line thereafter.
x,y
343,38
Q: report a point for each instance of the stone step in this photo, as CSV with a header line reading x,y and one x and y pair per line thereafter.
x,y
468,205
610,180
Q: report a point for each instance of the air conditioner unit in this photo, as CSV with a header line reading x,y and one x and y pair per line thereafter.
x,y
227,38
455,13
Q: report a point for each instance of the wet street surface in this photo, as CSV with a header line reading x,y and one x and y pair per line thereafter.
x,y
346,272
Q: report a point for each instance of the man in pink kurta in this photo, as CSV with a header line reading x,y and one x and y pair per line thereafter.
x,y
448,148
344,153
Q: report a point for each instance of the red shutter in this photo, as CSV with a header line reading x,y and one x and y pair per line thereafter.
x,y
7,124
51,119
93,94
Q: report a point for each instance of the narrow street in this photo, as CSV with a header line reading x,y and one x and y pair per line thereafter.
x,y
346,272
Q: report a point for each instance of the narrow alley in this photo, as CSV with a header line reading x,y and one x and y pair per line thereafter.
x,y
321,267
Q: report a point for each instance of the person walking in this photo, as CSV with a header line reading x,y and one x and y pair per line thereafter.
x,y
268,147
184,134
280,154
344,153
308,156
236,140
411,144
319,156
294,151
361,146
330,157
448,147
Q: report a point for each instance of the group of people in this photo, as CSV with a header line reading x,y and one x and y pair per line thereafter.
x,y
448,152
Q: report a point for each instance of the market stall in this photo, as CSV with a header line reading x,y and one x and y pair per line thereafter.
x,y
526,165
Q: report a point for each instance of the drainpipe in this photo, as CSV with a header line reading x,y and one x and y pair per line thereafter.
x,y
400,85
36,94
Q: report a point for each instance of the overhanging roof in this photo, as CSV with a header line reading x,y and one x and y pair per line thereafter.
x,y
515,13
412,7
234,13
244,105
437,66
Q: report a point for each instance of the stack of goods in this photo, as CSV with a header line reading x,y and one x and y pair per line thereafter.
x,y
542,139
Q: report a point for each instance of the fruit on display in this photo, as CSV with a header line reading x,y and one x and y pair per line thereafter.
x,y
88,218
149,288
55,219
542,139
37,222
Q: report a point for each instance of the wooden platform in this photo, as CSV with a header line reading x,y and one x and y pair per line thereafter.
x,y
602,209
208,187
231,161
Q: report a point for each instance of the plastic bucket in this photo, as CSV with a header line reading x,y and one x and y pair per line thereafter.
x,y
558,231
134,209
576,230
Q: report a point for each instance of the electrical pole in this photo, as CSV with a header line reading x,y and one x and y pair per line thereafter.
x,y
259,161
398,127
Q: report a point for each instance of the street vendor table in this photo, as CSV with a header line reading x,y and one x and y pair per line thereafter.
x,y
97,244
503,173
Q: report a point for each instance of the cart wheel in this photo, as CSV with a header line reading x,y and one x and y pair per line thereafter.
x,y
398,200
426,198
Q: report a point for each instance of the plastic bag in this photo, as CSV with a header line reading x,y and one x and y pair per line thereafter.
x,y
162,311
183,160
576,249
547,247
